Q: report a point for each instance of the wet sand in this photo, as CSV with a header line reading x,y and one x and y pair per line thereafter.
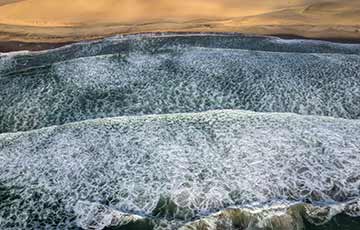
x,y
13,46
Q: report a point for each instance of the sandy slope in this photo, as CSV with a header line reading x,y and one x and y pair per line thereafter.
x,y
69,20
5,2
75,12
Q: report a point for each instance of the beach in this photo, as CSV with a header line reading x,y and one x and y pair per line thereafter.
x,y
189,115
40,22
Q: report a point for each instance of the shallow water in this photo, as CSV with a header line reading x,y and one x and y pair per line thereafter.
x,y
158,75
181,131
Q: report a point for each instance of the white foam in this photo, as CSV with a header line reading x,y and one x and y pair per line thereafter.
x,y
97,216
181,79
202,162
6,62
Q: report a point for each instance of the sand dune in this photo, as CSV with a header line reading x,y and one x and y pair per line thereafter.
x,y
4,2
75,12
72,20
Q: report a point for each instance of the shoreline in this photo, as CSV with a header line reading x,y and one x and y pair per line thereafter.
x,y
40,25
15,46
7,46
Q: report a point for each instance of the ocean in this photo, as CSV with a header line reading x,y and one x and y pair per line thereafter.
x,y
181,131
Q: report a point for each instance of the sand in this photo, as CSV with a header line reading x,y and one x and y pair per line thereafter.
x,y
51,21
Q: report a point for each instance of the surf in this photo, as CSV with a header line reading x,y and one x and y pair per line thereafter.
x,y
178,167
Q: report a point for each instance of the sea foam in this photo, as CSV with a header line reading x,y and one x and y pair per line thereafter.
x,y
146,78
191,164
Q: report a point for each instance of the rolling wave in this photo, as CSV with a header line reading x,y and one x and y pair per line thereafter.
x,y
180,166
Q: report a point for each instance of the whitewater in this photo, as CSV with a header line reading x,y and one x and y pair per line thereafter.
x,y
181,131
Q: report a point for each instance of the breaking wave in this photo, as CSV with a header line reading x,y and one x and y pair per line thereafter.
x,y
194,164
181,131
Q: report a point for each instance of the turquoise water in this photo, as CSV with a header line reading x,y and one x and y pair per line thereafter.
x,y
200,131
